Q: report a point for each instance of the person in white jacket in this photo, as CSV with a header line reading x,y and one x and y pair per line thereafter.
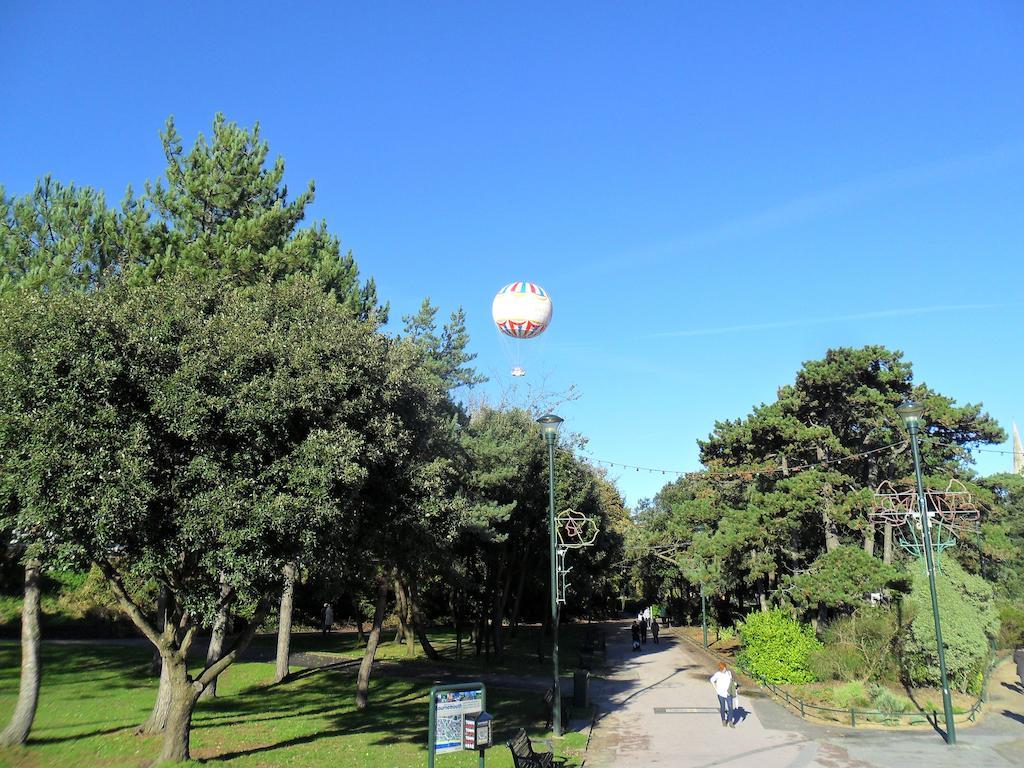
x,y
721,681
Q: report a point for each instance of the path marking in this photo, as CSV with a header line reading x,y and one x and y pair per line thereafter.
x,y
685,710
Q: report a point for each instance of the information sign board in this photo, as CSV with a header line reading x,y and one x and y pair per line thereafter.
x,y
449,705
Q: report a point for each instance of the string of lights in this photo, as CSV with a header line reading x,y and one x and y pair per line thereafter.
x,y
783,468
968,448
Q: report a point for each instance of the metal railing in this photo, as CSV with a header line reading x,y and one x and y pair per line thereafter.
x,y
851,715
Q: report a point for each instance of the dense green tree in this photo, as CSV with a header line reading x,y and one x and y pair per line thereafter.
x,y
843,579
446,349
220,212
221,209
970,622
1001,545
838,415
186,432
64,237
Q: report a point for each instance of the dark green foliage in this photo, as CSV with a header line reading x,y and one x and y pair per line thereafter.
x,y
746,535
844,577
63,237
776,648
861,646
970,622
219,212
1011,625
183,430
445,351
1001,545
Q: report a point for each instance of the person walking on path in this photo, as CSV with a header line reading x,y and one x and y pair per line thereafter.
x,y
328,618
643,630
722,682
635,630
1018,658
654,631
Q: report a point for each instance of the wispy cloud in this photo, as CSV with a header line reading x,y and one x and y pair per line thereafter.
x,y
817,203
810,321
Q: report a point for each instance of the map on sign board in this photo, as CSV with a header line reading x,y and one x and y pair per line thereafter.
x,y
451,708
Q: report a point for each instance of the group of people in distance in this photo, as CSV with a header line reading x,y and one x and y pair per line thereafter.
x,y
644,622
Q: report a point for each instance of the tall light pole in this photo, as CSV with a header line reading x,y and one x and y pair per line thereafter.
x,y
549,427
911,413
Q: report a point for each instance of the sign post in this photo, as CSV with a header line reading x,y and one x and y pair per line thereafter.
x,y
449,706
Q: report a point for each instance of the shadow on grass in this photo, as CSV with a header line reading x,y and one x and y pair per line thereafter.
x,y
79,736
111,689
396,713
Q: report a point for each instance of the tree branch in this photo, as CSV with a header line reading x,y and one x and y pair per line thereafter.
x,y
209,674
134,612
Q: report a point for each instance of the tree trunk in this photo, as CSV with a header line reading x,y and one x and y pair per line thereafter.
x,y
358,613
157,720
418,624
518,601
498,617
284,625
887,545
400,632
457,625
220,627
28,691
156,666
869,540
406,619
158,715
175,748
545,624
363,681
831,536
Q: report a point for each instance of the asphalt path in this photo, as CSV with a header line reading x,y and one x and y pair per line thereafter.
x,y
656,707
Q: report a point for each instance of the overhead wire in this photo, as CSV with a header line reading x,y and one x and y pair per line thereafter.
x,y
783,468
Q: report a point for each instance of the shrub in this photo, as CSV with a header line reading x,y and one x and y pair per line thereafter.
x,y
835,663
1011,625
851,694
861,646
727,633
776,648
888,703
969,622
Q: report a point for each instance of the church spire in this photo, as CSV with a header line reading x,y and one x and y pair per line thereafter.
x,y
1018,452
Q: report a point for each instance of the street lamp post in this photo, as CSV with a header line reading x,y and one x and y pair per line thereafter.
x,y
911,413
549,427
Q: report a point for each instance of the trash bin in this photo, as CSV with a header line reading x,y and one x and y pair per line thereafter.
x,y
581,688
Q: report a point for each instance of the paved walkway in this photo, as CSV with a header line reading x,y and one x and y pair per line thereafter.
x,y
656,708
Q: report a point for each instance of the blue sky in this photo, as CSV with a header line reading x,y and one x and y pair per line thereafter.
x,y
712,195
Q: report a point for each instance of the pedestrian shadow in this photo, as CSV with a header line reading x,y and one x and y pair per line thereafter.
x,y
740,715
1015,687
1013,716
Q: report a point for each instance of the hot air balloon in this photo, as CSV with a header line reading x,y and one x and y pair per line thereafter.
x,y
521,311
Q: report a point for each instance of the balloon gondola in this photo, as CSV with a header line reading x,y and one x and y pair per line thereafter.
x,y
521,311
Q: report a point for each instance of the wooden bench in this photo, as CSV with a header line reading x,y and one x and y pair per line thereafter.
x,y
523,754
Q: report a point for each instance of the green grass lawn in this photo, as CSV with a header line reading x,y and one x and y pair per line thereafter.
x,y
93,696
